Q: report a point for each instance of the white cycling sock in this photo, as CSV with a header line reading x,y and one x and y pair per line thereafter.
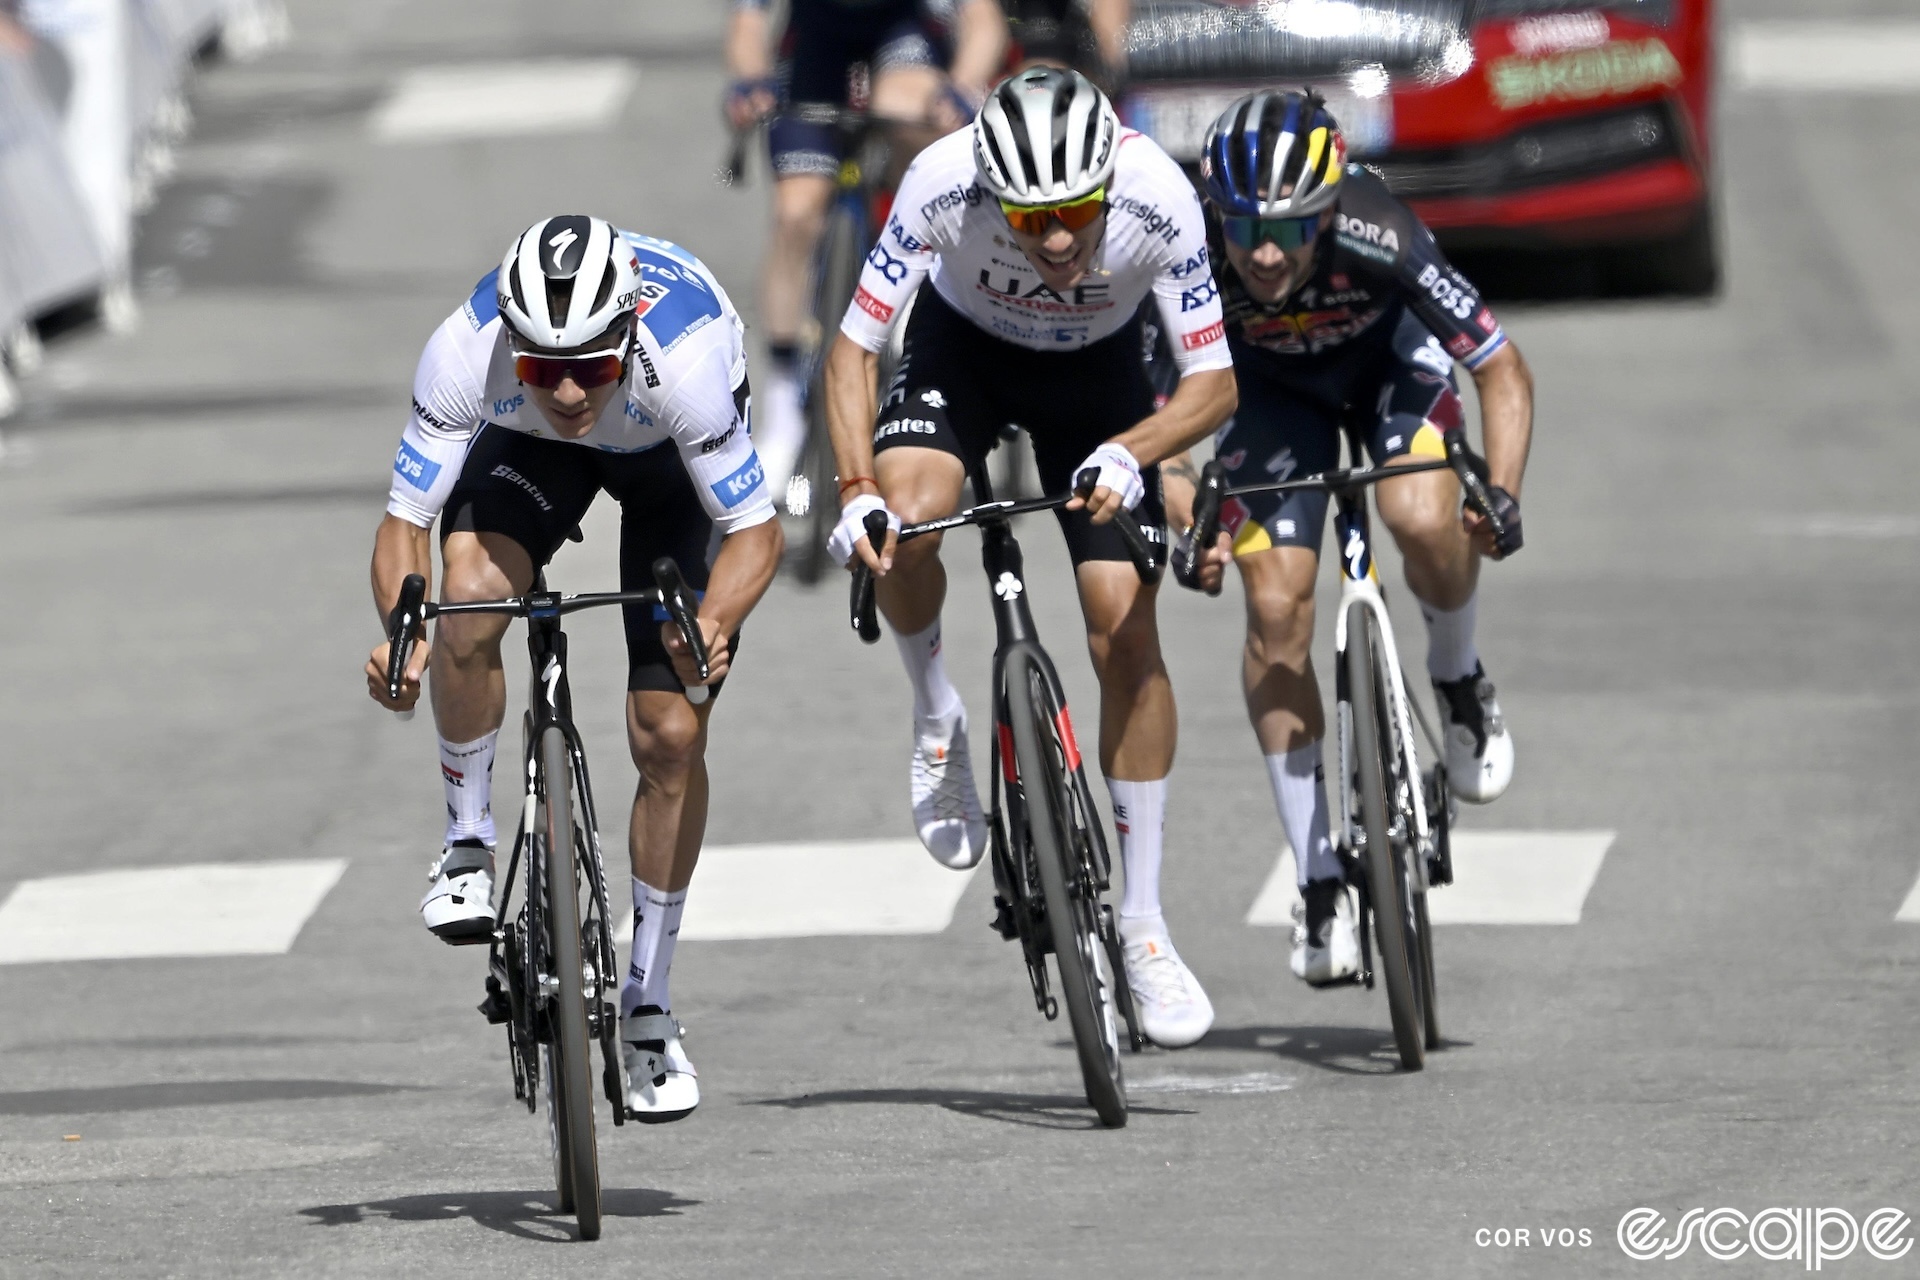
x,y
656,924
1300,793
1140,816
1450,651
466,774
780,427
933,694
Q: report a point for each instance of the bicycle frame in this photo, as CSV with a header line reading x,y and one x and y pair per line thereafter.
x,y
1360,589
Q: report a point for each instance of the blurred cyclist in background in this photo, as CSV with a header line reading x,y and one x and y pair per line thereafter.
x,y
926,60
1088,36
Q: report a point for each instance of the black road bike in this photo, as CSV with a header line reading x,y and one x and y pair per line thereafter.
x,y
1048,848
552,975
1395,820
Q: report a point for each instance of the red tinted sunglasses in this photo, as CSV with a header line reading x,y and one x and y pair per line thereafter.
x,y
595,369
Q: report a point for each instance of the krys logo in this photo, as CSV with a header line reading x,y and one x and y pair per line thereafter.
x,y
1811,1237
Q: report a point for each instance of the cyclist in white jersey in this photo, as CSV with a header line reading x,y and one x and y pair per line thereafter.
x,y
1043,229
592,359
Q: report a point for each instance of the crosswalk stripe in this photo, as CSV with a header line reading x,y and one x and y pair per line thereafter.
x,y
1863,56
1499,877
1910,909
216,909
502,99
812,890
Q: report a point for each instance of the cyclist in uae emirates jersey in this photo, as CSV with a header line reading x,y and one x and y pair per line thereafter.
x,y
592,359
1340,312
1039,232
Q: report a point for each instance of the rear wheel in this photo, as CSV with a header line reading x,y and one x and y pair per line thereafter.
x,y
570,1069
1059,828
1388,884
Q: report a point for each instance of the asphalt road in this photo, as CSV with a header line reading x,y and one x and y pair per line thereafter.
x,y
1707,649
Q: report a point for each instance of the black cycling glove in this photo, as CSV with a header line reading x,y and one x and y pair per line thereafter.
x,y
1506,508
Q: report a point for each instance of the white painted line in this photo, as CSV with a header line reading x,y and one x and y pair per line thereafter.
x,y
830,889
1863,56
1870,526
217,909
1499,877
1246,1082
503,99
1910,909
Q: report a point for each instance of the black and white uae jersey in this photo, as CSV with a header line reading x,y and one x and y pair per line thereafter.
x,y
686,383
945,223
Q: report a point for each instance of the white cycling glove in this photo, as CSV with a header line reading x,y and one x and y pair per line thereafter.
x,y
1119,471
853,526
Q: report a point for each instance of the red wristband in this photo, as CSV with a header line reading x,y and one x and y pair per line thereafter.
x,y
848,484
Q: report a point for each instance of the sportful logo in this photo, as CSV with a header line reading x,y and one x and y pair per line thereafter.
x,y
1809,1236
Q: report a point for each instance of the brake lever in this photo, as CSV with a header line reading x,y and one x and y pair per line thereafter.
x,y
1139,550
403,632
1206,511
866,621
1473,473
673,596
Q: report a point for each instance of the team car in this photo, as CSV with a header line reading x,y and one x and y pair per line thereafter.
x,y
1508,125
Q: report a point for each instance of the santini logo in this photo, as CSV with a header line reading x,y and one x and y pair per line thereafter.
x,y
1808,1236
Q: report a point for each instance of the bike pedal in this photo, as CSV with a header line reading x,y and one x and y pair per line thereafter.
x,y
1002,922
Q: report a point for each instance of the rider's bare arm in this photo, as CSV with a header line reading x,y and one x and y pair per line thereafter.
x,y
1109,19
400,547
1198,406
1505,385
748,52
979,48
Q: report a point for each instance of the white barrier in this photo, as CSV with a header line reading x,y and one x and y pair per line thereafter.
x,y
88,117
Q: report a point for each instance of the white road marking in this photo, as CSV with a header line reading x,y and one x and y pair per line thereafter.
x,y
1910,909
1246,1082
503,99
216,909
1862,56
1873,526
830,889
1499,877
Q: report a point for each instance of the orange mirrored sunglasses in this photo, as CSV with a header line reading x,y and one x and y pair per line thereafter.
x,y
1033,220
595,369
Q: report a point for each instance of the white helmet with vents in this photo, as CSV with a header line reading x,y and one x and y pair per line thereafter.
x,y
1045,136
568,281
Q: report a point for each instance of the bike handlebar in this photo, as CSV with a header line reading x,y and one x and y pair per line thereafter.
x,y
866,623
1460,459
406,622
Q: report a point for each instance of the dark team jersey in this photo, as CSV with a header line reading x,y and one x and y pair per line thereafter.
x,y
1378,262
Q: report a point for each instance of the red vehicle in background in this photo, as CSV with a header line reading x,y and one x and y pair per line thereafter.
x,y
1510,126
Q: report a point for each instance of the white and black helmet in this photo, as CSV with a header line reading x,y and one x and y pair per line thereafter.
x,y
1045,136
568,280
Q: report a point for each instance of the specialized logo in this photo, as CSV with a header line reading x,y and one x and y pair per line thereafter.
x,y
567,245
737,488
415,467
879,310
1811,1237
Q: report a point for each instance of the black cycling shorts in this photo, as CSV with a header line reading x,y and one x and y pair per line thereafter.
x,y
823,41
1399,396
535,492
957,385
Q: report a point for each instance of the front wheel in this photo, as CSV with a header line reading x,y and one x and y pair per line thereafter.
x,y
1389,887
1060,828
570,1070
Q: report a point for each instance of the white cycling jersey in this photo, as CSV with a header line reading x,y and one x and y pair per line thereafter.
x,y
945,223
686,383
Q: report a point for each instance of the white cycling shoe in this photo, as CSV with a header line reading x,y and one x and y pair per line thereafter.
x,y
458,909
1326,946
662,1085
946,807
1479,748
1168,1003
